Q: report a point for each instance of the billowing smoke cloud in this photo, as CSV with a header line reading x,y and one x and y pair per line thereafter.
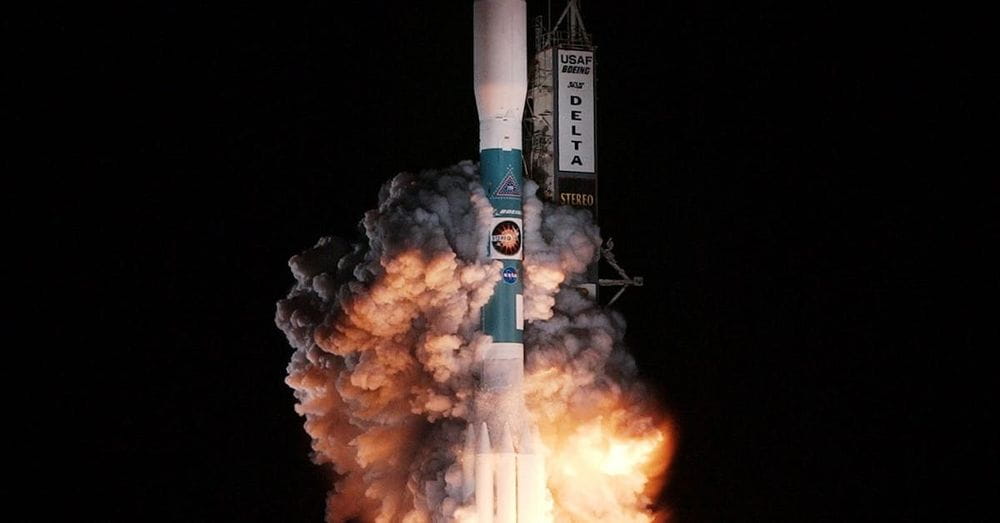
x,y
386,334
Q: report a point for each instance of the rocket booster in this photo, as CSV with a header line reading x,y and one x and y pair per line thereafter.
x,y
506,472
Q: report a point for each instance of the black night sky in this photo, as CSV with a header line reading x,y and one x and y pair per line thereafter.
x,y
766,168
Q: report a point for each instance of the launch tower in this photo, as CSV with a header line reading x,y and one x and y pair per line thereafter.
x,y
560,117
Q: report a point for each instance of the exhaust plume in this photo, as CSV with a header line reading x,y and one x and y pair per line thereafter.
x,y
386,333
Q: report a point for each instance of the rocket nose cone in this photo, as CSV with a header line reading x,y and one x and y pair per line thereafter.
x,y
500,58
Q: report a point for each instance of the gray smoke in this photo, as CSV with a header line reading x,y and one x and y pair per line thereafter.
x,y
386,332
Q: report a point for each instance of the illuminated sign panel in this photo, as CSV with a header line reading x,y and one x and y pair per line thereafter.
x,y
574,80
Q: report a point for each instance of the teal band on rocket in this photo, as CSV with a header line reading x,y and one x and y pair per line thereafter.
x,y
501,313
503,180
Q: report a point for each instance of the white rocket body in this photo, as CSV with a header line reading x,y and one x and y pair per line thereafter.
x,y
500,63
502,466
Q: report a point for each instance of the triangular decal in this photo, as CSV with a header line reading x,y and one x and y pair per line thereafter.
x,y
508,188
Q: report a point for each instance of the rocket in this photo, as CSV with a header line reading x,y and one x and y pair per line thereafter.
x,y
503,473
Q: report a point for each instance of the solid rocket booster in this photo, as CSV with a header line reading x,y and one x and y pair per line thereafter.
x,y
484,477
469,464
506,480
508,473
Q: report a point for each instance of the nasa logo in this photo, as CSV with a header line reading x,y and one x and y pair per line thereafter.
x,y
509,275
506,238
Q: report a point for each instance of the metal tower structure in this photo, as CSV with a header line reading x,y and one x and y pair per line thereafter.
x,y
560,131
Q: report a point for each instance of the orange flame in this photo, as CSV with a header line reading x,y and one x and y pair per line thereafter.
x,y
608,469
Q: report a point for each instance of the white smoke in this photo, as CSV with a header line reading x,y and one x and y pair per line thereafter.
x,y
386,332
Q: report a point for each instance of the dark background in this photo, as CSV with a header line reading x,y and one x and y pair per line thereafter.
x,y
770,171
